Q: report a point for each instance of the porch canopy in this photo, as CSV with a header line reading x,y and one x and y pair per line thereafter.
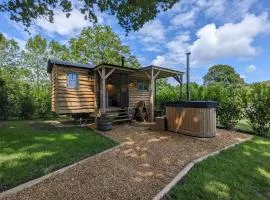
x,y
152,73
155,72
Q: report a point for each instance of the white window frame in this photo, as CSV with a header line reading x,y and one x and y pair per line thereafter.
x,y
76,79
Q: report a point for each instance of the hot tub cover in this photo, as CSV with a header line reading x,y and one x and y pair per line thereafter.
x,y
193,104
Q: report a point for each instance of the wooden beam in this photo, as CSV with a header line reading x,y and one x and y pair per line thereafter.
x,y
99,73
155,76
95,97
109,73
152,106
148,75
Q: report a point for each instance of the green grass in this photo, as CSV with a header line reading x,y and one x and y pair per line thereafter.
x,y
242,172
30,150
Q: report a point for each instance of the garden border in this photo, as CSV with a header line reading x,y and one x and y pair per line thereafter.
x,y
59,171
184,171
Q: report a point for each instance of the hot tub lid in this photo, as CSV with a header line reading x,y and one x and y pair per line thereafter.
x,y
193,104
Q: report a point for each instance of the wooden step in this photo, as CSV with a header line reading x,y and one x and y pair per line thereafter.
x,y
122,120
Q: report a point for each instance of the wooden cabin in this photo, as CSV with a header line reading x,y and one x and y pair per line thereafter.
x,y
81,88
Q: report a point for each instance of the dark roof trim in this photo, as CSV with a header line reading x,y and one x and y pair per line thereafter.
x,y
116,67
52,62
161,69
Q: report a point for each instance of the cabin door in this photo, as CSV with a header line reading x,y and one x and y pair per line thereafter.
x,y
124,97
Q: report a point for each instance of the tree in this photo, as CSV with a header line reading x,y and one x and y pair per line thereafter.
x,y
58,51
9,52
257,108
222,74
35,58
131,14
4,104
99,44
230,103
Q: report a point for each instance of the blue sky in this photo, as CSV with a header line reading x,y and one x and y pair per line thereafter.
x,y
234,32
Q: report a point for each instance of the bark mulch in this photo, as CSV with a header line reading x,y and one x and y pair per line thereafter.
x,y
144,164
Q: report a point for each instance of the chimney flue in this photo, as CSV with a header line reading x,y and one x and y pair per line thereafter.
x,y
188,91
123,61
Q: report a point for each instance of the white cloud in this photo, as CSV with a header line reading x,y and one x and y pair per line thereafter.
x,y
230,40
186,19
152,31
187,12
152,35
251,68
159,61
63,25
243,76
175,55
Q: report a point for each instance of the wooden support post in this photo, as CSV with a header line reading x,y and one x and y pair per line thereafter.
x,y
103,89
103,77
153,77
181,87
95,100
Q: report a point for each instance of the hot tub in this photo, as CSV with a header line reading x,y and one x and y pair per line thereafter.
x,y
195,118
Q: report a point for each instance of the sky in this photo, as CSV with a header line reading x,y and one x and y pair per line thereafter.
x,y
233,32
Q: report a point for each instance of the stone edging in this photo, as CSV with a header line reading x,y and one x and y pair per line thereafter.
x,y
184,172
60,171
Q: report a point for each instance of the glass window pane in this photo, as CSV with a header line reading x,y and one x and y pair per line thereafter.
x,y
72,80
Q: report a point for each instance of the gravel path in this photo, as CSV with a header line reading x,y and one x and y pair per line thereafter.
x,y
145,163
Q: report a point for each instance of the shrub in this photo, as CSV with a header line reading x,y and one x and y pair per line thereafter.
x,y
229,110
257,108
27,105
4,104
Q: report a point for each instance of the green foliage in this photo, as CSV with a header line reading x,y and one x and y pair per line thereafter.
x,y
257,108
9,52
166,92
131,14
27,106
222,74
24,72
4,104
99,44
230,103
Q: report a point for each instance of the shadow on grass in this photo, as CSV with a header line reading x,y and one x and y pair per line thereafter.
x,y
239,173
29,150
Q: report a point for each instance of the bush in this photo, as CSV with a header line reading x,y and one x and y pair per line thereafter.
x,y
257,108
230,104
4,104
42,102
27,105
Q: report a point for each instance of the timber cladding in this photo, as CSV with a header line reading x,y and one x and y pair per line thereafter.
x,y
72,100
135,96
200,122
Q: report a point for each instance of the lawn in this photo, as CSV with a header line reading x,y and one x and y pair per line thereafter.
x,y
30,150
242,172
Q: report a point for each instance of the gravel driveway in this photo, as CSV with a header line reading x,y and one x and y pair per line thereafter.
x,y
145,163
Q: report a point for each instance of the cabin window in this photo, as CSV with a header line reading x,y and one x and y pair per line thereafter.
x,y
143,86
72,80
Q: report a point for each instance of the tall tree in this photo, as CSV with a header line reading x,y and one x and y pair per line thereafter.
x,y
131,14
99,44
222,74
9,52
35,58
58,51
